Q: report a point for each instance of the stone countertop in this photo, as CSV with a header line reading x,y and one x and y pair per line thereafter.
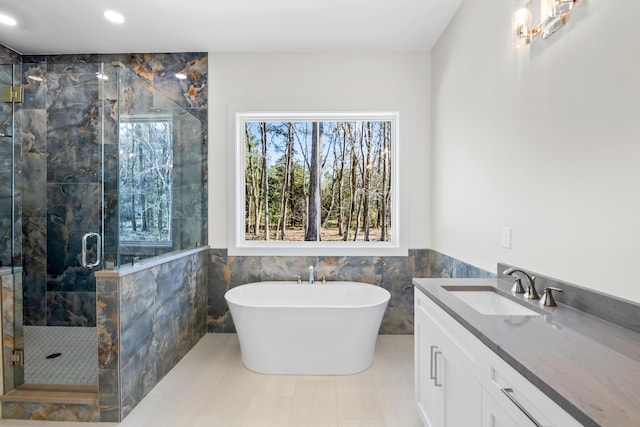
x,y
590,367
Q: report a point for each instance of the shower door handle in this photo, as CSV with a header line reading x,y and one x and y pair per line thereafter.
x,y
86,264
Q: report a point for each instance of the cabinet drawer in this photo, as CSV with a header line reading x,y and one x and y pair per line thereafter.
x,y
523,401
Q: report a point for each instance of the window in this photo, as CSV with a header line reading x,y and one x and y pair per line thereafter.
x,y
146,164
315,180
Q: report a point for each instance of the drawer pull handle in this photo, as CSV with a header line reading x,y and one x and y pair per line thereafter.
x,y
507,392
435,368
431,373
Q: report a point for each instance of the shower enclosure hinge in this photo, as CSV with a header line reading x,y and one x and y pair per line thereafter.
x,y
13,94
17,357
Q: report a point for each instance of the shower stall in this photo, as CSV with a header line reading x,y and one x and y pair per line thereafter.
x,y
99,168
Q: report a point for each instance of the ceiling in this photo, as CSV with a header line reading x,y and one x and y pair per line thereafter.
x,y
78,26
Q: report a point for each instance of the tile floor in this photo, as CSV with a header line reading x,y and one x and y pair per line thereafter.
x,y
211,388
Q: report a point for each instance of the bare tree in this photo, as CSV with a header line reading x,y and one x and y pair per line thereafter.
x,y
384,156
353,180
332,135
365,150
313,212
341,158
134,223
264,182
251,183
143,199
287,176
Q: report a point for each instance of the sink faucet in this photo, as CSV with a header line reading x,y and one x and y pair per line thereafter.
x,y
311,279
531,288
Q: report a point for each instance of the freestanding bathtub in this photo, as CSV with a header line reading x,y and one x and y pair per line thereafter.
x,y
303,329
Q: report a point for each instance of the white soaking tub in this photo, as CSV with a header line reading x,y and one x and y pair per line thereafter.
x,y
303,329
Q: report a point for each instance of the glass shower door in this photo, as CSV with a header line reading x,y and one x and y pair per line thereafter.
x,y
63,124
10,228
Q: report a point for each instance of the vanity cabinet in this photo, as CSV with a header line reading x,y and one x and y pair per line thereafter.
x,y
446,392
461,382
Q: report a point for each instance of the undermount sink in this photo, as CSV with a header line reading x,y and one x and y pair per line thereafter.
x,y
486,300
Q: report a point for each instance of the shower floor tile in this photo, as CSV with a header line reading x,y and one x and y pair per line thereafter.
x,y
77,363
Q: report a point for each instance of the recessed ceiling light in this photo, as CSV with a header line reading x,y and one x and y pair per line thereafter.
x,y
181,76
7,20
114,17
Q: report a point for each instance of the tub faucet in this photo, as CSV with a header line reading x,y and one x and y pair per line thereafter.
x,y
531,287
311,279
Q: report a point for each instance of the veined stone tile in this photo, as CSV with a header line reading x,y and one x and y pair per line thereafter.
x,y
244,269
50,411
8,56
284,267
347,268
138,377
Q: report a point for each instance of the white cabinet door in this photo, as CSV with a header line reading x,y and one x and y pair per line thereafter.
x,y
448,395
462,394
428,395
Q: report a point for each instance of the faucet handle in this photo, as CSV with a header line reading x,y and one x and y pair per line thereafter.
x,y
547,299
517,286
298,278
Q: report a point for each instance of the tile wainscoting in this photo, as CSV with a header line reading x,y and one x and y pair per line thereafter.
x,y
149,317
392,273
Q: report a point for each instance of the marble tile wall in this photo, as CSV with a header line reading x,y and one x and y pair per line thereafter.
x,y
9,56
50,411
62,120
392,273
8,334
445,266
147,321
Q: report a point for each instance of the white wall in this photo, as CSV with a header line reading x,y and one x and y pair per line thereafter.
x,y
545,141
398,82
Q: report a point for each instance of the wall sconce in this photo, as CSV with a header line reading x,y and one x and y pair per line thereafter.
x,y
549,15
522,23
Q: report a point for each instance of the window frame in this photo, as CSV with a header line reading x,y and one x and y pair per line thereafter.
x,y
238,245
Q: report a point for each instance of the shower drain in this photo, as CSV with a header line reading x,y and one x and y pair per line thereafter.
x,y
53,355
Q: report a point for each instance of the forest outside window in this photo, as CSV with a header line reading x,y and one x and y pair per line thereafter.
x,y
146,175
317,180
